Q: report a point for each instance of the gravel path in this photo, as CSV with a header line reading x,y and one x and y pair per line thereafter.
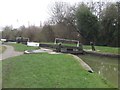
x,y
9,52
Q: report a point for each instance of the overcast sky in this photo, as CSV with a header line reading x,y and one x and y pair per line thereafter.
x,y
19,12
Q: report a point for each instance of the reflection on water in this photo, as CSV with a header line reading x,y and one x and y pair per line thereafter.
x,y
107,67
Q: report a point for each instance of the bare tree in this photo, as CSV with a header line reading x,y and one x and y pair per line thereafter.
x,y
6,33
63,14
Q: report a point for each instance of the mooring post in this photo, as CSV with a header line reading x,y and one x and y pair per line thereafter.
x,y
92,45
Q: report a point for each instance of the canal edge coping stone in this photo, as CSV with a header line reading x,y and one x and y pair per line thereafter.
x,y
83,64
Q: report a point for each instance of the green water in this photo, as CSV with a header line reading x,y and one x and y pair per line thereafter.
x,y
105,66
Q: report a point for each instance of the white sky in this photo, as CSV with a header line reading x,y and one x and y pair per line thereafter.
x,y
19,12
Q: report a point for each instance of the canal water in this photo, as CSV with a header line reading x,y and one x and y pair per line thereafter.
x,y
105,66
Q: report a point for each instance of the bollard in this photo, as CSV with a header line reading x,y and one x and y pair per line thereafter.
x,y
92,45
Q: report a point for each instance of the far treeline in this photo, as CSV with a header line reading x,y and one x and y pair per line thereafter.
x,y
96,22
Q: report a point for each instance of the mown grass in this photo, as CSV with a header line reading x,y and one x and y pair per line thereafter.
x,y
22,47
2,49
48,71
104,49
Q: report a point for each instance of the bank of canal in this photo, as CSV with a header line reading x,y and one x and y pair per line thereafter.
x,y
105,66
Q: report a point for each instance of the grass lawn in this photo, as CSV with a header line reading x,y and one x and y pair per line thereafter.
x,y
48,71
2,49
104,49
22,47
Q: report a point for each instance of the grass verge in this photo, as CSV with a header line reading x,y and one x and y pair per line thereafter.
x,y
104,49
48,71
22,47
